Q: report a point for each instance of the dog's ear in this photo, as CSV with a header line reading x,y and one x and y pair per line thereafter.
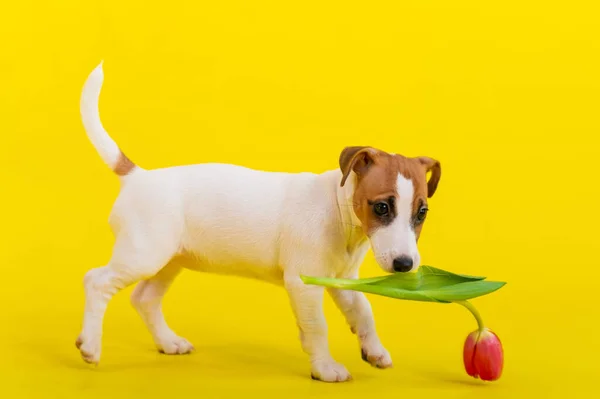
x,y
357,159
433,166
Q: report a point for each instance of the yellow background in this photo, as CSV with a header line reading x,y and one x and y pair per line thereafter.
x,y
505,94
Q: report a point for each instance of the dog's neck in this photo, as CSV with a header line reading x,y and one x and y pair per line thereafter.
x,y
349,222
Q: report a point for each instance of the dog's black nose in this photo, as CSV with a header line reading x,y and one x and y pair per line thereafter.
x,y
403,264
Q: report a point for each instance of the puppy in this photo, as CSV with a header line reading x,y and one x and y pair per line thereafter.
x,y
228,219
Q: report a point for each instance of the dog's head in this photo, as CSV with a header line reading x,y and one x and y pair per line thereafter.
x,y
390,200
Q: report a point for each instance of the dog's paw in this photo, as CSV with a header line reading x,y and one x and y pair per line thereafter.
x,y
175,346
330,371
376,356
89,349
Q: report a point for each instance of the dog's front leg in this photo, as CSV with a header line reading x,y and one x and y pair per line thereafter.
x,y
307,304
357,310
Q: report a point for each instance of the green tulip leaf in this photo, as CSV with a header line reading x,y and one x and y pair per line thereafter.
x,y
428,284
465,291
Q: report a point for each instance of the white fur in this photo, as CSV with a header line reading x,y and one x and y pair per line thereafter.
x,y
105,145
230,220
398,238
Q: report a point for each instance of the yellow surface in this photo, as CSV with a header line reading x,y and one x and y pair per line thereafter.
x,y
505,94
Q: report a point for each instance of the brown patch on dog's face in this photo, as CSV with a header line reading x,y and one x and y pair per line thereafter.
x,y
390,200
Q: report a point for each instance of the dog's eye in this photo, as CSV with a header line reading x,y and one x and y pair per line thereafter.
x,y
421,214
381,209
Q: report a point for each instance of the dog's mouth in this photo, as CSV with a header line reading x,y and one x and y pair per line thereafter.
x,y
399,264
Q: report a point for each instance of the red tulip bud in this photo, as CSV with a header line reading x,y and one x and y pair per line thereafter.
x,y
483,355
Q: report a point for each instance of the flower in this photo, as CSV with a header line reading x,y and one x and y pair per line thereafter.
x,y
483,355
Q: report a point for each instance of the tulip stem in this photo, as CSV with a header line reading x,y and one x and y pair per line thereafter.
x,y
474,312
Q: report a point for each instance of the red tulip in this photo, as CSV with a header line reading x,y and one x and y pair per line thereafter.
x,y
483,355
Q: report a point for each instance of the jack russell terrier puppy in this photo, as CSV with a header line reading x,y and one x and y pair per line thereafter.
x,y
228,219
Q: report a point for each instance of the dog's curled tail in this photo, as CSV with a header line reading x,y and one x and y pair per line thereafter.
x,y
109,151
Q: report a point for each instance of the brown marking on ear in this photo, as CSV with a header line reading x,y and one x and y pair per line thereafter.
x,y
435,168
357,159
124,165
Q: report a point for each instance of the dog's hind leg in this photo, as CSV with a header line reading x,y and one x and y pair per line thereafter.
x,y
138,254
147,300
